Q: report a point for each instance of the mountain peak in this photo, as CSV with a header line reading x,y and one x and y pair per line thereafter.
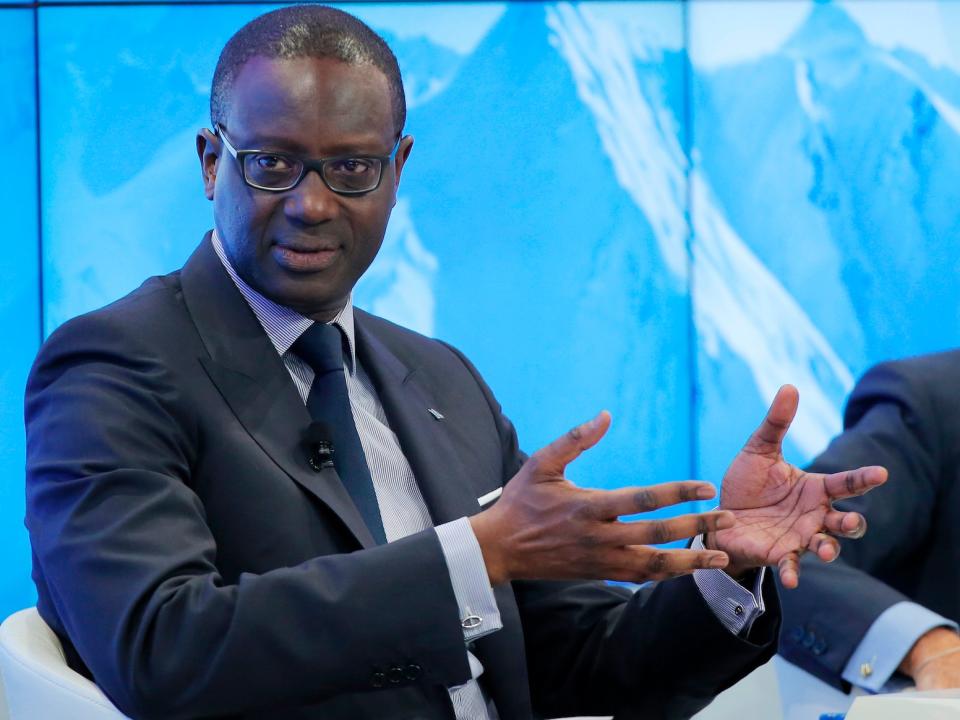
x,y
827,29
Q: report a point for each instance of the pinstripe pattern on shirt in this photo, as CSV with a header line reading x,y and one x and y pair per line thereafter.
x,y
402,507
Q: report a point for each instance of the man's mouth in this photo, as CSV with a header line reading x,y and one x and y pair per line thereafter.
x,y
303,258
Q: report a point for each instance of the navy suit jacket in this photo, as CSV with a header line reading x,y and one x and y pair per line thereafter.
x,y
194,564
904,415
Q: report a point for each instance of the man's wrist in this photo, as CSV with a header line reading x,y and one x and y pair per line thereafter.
x,y
738,571
935,642
494,560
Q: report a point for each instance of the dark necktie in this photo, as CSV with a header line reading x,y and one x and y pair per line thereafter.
x,y
321,347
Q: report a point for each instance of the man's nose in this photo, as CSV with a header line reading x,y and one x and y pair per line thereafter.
x,y
311,202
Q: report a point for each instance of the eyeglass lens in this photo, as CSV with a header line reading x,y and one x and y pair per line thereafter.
x,y
351,174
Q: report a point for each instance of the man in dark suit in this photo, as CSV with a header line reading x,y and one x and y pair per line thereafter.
x,y
247,498
891,603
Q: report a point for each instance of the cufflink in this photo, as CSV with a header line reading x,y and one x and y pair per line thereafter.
x,y
866,670
471,621
437,415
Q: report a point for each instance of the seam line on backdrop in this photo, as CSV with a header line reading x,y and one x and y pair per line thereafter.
x,y
692,346
39,199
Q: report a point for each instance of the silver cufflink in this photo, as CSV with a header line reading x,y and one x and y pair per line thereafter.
x,y
471,621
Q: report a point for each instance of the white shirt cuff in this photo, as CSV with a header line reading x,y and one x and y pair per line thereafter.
x,y
479,614
735,607
887,642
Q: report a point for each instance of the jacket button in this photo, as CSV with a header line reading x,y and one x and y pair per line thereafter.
x,y
378,679
413,671
796,634
808,640
819,647
395,675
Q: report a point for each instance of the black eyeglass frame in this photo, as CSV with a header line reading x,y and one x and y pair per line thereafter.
x,y
306,164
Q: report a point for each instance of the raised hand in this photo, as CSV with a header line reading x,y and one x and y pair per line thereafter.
x,y
780,510
544,527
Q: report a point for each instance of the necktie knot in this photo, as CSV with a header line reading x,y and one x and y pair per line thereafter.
x,y
321,347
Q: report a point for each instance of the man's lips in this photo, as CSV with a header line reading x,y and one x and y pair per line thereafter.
x,y
303,258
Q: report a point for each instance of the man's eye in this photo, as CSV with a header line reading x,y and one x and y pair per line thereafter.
x,y
352,166
275,163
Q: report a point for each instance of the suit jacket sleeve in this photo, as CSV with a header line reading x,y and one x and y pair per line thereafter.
x,y
897,417
127,563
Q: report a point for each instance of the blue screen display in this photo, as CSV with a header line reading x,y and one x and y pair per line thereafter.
x,y
665,209
19,292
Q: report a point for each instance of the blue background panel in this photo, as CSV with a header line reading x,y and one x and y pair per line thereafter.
x,y
823,200
19,293
662,208
568,310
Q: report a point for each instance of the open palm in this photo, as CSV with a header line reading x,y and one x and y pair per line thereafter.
x,y
780,510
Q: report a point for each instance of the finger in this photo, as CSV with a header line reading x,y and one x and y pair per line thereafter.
x,y
768,437
657,532
854,482
610,504
639,564
845,524
553,458
825,547
789,567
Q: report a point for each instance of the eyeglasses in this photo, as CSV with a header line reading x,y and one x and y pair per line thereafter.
x,y
277,171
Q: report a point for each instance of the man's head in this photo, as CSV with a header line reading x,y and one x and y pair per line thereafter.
x,y
303,83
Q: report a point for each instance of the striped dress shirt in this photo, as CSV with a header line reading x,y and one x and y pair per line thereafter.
x,y
402,507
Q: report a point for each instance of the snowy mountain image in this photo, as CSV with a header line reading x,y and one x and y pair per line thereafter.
x,y
834,161
595,216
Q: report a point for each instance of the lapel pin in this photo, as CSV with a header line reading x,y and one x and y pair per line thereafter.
x,y
437,415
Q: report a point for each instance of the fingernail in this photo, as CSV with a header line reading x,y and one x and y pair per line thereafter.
x,y
705,492
719,561
725,521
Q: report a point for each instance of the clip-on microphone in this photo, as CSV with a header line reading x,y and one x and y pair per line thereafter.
x,y
320,445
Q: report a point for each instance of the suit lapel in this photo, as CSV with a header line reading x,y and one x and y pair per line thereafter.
x,y
251,377
442,478
406,399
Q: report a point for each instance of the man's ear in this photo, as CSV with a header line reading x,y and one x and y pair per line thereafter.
x,y
399,160
208,150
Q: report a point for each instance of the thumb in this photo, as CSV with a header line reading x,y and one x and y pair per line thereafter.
x,y
767,438
554,458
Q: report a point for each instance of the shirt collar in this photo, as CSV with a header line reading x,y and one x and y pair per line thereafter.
x,y
282,324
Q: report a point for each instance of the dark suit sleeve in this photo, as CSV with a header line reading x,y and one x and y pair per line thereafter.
x,y
893,419
126,562
597,649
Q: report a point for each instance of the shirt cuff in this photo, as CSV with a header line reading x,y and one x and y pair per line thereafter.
x,y
479,614
887,642
735,607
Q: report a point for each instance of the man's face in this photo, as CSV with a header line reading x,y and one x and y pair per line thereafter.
x,y
306,247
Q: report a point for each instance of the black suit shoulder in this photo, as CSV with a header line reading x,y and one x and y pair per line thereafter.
x,y
413,348
152,318
924,385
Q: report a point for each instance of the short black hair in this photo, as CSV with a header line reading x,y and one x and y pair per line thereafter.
x,y
300,31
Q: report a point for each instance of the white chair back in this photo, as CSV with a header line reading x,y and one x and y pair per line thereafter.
x,y
37,680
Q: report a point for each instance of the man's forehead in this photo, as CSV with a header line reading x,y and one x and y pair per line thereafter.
x,y
285,98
